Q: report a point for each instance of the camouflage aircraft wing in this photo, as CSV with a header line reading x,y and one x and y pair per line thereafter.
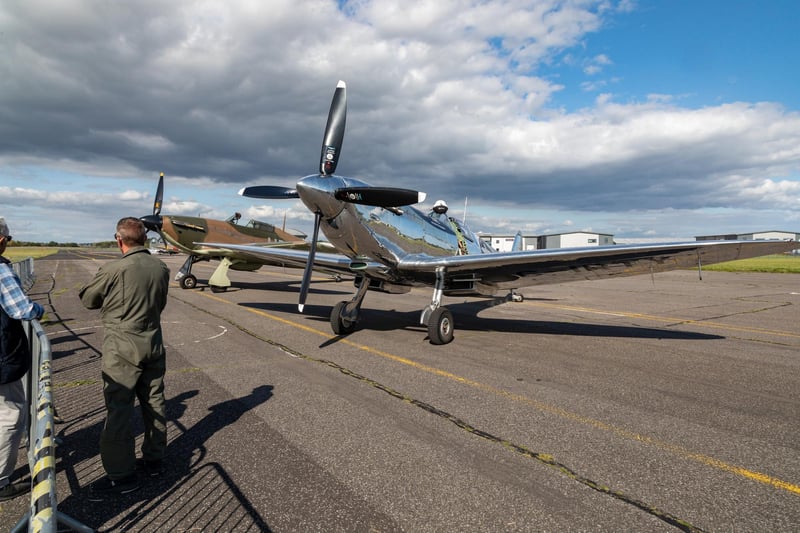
x,y
285,255
220,249
510,270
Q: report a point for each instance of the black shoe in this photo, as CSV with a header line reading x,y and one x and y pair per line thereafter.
x,y
107,488
12,490
151,468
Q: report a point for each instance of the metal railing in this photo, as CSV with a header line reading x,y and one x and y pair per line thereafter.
x,y
41,435
43,515
24,270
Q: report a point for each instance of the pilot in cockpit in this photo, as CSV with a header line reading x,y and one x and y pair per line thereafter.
x,y
439,212
440,207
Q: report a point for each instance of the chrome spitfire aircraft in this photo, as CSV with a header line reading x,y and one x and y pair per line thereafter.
x,y
391,246
188,233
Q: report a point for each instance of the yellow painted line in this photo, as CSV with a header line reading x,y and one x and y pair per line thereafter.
x,y
665,319
620,432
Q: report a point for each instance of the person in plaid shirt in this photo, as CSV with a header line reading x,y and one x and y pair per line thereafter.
x,y
15,361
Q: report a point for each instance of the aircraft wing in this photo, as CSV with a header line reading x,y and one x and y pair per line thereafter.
x,y
217,250
509,270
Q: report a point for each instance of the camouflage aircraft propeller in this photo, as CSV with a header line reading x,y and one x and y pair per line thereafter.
x,y
187,234
391,246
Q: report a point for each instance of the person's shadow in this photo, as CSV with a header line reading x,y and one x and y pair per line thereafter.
x,y
151,507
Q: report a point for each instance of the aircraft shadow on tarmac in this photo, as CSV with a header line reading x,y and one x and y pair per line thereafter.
x,y
161,501
466,317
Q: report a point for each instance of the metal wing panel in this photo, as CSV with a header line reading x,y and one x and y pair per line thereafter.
x,y
539,267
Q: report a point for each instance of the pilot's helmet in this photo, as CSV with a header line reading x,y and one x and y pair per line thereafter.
x,y
440,207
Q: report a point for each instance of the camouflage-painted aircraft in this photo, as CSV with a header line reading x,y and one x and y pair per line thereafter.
x,y
188,234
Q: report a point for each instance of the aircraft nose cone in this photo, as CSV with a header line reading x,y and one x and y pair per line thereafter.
x,y
317,193
152,222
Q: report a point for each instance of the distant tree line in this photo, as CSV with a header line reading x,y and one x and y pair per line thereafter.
x,y
54,244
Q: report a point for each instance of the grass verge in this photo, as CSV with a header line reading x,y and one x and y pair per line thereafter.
x,y
18,253
783,263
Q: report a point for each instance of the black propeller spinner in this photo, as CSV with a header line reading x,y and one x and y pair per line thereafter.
x,y
387,197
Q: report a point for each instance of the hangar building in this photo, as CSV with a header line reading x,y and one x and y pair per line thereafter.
x,y
755,236
574,239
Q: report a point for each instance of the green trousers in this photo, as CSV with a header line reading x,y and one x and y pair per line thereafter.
x,y
122,383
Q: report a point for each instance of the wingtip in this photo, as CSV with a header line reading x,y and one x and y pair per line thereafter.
x,y
341,85
300,307
241,191
422,196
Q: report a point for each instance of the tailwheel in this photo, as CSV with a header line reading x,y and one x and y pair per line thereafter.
x,y
188,282
340,324
441,326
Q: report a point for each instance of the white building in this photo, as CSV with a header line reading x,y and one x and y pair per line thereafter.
x,y
574,239
755,236
505,243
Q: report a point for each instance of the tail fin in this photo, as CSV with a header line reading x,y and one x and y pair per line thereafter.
x,y
517,246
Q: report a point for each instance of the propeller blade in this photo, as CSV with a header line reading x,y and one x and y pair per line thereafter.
x,y
379,196
152,222
334,131
310,264
274,192
159,195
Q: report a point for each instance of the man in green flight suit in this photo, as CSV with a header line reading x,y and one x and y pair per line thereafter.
x,y
131,293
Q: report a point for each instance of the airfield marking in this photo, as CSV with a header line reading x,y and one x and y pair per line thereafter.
x,y
620,432
543,458
665,319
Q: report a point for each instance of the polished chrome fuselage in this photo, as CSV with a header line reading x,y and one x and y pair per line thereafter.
x,y
386,235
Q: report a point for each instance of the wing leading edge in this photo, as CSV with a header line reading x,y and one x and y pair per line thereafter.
x,y
508,270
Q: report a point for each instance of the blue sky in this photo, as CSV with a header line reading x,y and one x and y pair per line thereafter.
x,y
650,120
699,52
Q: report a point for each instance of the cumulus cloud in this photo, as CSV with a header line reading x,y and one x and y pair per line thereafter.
x,y
67,200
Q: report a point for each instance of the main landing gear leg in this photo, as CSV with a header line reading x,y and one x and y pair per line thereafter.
x,y
219,281
438,319
345,314
185,276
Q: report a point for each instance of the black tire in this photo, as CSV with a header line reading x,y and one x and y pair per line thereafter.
x,y
339,325
216,289
441,326
188,282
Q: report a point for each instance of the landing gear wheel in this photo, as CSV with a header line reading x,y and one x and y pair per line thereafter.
x,y
215,289
441,326
339,324
188,282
